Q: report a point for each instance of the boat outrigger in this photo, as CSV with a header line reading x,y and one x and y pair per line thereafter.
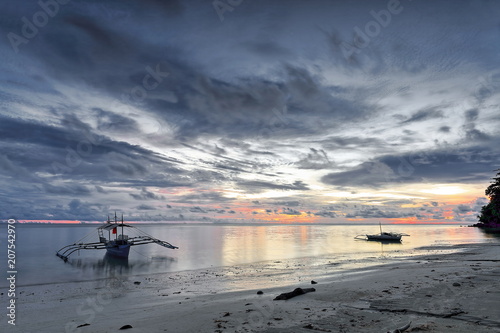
x,y
383,236
117,246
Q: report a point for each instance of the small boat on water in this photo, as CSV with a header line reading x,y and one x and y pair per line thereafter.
x,y
112,238
383,236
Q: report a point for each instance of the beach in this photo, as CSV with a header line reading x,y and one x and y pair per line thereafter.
x,y
450,292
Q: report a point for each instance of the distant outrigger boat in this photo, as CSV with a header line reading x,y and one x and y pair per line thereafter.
x,y
119,246
383,236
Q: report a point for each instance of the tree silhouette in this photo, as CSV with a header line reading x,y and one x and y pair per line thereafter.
x,y
490,214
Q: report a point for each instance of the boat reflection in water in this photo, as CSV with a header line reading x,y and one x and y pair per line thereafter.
x,y
111,265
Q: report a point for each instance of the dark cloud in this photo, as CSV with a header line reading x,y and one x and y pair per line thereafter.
x,y
204,197
442,166
474,134
293,203
114,95
197,210
267,48
67,190
145,207
445,129
259,186
290,211
471,115
329,214
146,195
375,212
315,159
426,114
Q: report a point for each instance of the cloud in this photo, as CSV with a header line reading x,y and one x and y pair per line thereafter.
x,y
375,212
315,159
67,190
445,129
290,211
146,195
99,105
293,203
425,114
471,115
145,207
259,186
440,165
197,209
329,214
204,197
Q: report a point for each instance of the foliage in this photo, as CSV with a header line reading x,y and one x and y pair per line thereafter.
x,y
490,213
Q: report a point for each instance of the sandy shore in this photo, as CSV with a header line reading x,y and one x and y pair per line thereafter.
x,y
458,292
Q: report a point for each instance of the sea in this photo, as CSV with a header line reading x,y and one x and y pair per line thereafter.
x,y
291,250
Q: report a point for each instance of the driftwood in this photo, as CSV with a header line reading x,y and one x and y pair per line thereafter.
x,y
296,292
402,329
125,327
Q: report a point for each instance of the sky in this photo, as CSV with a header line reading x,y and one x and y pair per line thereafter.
x,y
238,111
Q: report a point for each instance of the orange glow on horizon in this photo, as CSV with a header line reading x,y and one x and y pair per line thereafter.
x,y
51,221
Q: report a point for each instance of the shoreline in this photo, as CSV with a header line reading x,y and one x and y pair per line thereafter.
x,y
417,288
344,262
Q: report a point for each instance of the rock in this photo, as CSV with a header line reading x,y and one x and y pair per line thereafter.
x,y
125,327
137,282
296,292
313,282
260,292
227,314
456,284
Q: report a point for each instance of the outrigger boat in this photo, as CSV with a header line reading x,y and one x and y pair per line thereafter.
x,y
383,236
117,246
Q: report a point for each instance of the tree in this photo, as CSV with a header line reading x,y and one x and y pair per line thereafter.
x,y
493,191
490,214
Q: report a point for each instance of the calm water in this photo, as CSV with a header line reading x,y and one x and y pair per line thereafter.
x,y
205,246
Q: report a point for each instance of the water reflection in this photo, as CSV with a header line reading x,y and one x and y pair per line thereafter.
x,y
110,266
205,246
490,234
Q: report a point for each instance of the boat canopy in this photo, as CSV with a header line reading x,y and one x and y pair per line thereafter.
x,y
111,226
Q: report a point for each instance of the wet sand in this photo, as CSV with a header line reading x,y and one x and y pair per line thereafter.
x,y
457,292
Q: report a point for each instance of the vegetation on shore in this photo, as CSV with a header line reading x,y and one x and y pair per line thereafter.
x,y
490,213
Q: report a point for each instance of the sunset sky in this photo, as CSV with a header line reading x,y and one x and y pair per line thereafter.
x,y
284,111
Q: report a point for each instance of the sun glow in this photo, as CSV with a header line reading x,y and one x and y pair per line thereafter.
x,y
444,190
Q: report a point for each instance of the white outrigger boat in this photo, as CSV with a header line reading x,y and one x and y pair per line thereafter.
x,y
383,236
117,246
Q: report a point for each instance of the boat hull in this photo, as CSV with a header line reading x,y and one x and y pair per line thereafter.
x,y
383,238
120,251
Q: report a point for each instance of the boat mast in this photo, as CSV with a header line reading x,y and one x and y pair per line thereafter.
x,y
109,231
116,234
